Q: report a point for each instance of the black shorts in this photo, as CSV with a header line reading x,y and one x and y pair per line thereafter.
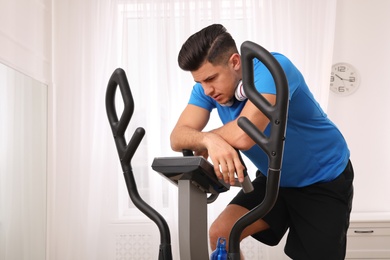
x,y
317,216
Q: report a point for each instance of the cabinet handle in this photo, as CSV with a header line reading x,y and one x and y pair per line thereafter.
x,y
364,231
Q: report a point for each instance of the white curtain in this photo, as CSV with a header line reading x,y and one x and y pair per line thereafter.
x,y
93,37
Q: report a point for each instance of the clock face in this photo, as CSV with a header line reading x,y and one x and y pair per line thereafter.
x,y
344,79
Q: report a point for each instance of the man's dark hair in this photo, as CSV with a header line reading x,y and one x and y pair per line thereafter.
x,y
213,44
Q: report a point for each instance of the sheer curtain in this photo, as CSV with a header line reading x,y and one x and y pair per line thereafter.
x,y
93,37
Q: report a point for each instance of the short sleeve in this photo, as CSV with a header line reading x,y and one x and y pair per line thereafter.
x,y
198,98
264,81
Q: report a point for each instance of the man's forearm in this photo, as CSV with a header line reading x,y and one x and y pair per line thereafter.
x,y
187,138
234,135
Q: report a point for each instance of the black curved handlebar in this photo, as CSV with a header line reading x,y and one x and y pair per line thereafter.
x,y
273,145
126,153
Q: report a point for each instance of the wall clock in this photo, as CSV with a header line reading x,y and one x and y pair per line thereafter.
x,y
344,79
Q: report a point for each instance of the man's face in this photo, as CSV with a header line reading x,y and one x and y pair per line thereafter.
x,y
218,81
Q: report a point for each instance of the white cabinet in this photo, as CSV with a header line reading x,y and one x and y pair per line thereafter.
x,y
369,236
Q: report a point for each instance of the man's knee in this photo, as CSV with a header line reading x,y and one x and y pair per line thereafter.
x,y
218,229
222,226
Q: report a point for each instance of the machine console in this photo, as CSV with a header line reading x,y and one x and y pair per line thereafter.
x,y
194,168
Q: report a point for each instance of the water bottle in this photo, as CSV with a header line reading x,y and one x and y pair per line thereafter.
x,y
220,252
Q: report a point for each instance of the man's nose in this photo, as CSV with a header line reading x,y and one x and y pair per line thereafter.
x,y
208,89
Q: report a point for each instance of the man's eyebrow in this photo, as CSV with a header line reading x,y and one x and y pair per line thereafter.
x,y
208,78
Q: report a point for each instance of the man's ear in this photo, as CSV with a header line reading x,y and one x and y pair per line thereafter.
x,y
235,61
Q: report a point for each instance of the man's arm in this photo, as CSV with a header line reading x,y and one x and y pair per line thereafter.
x,y
219,143
234,135
187,134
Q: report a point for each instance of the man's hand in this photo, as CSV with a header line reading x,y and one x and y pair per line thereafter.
x,y
225,159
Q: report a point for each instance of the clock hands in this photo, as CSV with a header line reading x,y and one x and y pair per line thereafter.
x,y
341,77
351,79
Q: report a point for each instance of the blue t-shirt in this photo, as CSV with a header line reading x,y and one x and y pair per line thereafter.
x,y
315,150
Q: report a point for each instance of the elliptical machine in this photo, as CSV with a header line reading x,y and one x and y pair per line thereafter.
x,y
194,175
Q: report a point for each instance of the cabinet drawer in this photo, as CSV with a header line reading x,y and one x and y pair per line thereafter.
x,y
368,243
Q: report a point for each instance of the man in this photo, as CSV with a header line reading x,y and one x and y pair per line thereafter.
x,y
315,195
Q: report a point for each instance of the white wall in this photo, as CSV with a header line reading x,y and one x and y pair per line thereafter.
x,y
25,37
363,39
